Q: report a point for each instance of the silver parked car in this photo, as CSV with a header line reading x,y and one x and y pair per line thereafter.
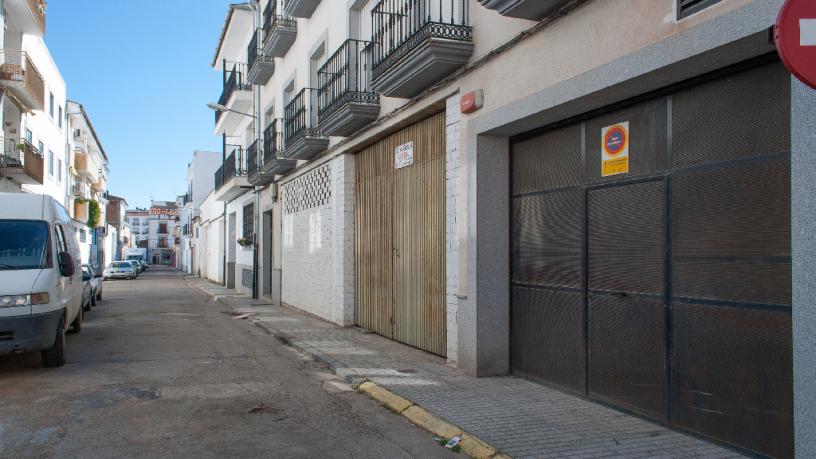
x,y
120,270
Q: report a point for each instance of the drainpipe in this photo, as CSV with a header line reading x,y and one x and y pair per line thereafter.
x,y
259,151
226,228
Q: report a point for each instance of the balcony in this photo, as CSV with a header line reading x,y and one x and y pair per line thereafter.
x,y
417,43
273,162
21,79
237,96
230,177
100,184
29,15
253,163
23,163
279,31
302,136
534,10
85,167
300,8
346,102
261,66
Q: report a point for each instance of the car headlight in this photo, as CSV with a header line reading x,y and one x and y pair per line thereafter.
x,y
11,301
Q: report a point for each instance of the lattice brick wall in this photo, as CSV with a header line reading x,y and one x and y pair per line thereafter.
x,y
307,191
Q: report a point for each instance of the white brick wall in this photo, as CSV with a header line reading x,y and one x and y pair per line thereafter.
x,y
318,249
452,137
343,239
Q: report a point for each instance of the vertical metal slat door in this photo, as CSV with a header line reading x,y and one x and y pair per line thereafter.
x,y
401,238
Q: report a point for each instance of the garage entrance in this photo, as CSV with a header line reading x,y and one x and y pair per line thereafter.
x,y
661,283
400,236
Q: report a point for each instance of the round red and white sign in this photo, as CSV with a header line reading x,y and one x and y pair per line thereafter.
x,y
796,39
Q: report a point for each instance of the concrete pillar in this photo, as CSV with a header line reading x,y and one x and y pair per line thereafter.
x,y
484,318
803,214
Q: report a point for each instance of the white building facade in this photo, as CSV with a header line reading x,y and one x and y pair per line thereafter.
x,y
440,172
200,172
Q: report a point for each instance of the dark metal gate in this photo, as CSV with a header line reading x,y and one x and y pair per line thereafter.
x,y
666,290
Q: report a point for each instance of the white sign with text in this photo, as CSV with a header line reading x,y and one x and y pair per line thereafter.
x,y
404,155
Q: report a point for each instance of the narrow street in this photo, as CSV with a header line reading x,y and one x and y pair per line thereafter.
x,y
160,369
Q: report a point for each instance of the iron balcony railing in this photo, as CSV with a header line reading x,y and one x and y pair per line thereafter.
x,y
18,72
273,141
272,19
399,26
234,80
300,116
252,158
233,166
345,77
253,50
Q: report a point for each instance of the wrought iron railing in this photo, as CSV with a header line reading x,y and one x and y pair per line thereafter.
x,y
272,19
235,164
253,50
300,116
234,80
18,71
219,177
399,26
345,77
273,141
252,158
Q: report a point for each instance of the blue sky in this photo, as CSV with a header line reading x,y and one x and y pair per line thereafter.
x,y
141,69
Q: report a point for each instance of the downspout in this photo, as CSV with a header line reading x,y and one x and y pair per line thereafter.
x,y
226,229
259,151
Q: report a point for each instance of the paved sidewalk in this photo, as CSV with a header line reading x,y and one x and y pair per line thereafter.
x,y
520,418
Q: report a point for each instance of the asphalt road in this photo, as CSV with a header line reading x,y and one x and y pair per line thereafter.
x,y
161,370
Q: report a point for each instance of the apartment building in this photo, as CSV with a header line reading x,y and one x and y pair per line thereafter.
x,y
115,218
87,178
200,184
34,156
163,233
523,188
137,220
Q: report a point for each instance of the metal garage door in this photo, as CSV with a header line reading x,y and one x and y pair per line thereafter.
x,y
664,289
400,235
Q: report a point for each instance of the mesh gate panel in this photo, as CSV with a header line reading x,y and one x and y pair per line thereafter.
x,y
743,115
626,238
546,239
647,139
732,376
731,233
547,335
550,161
627,356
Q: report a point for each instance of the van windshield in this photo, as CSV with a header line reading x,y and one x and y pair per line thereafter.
x,y
24,244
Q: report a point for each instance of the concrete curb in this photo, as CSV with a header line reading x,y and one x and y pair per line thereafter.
x,y
471,445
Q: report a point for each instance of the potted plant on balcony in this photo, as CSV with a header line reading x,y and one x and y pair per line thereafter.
x,y
244,242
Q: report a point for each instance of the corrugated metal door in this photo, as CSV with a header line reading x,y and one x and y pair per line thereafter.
x,y
665,290
401,238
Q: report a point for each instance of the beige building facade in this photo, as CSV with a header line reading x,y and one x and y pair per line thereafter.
x,y
535,188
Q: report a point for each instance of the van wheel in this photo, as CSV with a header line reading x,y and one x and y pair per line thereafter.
x,y
55,355
76,325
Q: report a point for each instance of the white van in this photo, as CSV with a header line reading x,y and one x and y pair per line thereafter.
x,y
40,276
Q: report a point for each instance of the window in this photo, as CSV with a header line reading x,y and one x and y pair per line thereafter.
x,y
59,170
686,8
41,147
59,119
50,163
51,104
29,136
197,233
162,228
82,236
249,215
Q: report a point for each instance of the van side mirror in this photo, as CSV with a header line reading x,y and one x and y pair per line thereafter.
x,y
66,264
86,277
